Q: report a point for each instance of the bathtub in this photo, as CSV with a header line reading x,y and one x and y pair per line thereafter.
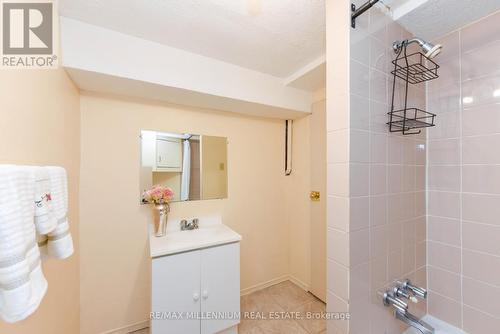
x,y
440,326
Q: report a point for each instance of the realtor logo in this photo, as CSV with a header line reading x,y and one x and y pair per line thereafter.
x,y
28,34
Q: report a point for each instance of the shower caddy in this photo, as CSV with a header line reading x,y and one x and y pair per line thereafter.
x,y
414,68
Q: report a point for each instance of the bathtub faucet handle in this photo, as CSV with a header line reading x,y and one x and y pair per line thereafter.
x,y
390,299
398,291
415,290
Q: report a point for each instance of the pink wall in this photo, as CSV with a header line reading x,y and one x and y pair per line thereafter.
x,y
376,180
391,181
464,180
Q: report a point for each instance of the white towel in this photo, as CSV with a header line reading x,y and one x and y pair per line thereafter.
x,y
58,243
45,220
22,283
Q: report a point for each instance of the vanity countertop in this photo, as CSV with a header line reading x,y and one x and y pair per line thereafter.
x,y
182,241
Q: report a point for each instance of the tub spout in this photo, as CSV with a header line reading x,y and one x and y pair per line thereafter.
x,y
414,322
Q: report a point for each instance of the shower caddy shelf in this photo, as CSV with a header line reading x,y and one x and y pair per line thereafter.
x,y
412,69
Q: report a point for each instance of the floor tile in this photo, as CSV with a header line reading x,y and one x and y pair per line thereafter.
x,y
281,297
281,327
314,324
244,328
259,301
288,295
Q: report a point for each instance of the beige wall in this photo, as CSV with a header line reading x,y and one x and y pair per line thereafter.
x,y
464,180
318,229
213,167
115,266
40,124
298,203
114,273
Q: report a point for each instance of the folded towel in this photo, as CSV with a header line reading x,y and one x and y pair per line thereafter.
x,y
58,243
22,283
45,221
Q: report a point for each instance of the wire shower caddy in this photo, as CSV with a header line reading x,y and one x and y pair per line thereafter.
x,y
414,68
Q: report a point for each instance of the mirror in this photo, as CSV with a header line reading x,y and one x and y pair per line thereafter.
x,y
194,166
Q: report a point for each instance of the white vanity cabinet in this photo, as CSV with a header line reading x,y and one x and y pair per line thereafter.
x,y
202,282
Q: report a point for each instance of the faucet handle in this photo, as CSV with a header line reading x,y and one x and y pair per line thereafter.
x,y
184,224
389,299
196,223
415,290
398,291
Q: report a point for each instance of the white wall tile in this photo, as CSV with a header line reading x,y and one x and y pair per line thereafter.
x,y
481,149
481,179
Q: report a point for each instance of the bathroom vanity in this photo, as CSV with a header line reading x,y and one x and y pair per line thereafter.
x,y
195,280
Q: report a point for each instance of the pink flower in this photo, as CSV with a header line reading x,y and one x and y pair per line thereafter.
x,y
168,193
158,195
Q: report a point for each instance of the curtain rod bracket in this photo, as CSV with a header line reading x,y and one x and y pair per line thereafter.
x,y
357,12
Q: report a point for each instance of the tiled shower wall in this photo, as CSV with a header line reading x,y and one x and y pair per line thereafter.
x,y
376,180
464,180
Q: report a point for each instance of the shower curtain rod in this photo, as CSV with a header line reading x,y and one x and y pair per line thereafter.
x,y
360,10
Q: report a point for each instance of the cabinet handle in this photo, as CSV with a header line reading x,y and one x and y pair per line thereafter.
x,y
196,296
205,294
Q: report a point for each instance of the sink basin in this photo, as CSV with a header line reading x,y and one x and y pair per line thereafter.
x,y
183,241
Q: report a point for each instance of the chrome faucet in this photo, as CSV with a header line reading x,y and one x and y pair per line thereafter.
x,y
391,300
191,225
414,322
399,291
406,285
406,290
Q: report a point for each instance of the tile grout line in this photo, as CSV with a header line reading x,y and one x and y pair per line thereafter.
x,y
491,285
461,181
464,248
370,126
427,163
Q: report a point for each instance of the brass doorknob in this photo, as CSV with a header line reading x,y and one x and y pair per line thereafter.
x,y
315,196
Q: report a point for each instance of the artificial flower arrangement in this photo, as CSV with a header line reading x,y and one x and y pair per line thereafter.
x,y
158,195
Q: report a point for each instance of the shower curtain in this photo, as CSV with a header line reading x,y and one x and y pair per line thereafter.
x,y
186,170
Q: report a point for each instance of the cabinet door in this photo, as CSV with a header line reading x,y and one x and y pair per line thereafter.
x,y
169,153
220,286
176,288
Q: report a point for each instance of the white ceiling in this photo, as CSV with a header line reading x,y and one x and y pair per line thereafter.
x,y
276,37
282,38
431,19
